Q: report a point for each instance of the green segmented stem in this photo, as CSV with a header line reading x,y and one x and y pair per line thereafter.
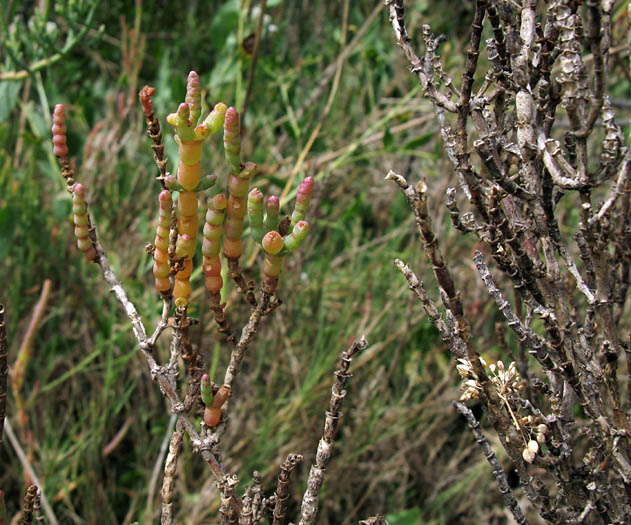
x,y
180,120
232,139
296,237
82,222
161,269
302,201
183,246
189,137
272,265
60,148
188,177
255,214
206,388
193,98
238,186
272,209
171,182
213,232
213,122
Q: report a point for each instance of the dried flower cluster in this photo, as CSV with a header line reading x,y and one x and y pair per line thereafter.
x,y
530,138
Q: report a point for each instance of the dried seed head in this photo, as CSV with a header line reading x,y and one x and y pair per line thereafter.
x,y
533,445
145,99
528,455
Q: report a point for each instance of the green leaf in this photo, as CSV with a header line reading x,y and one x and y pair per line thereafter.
x,y
224,22
9,91
405,517
419,141
388,139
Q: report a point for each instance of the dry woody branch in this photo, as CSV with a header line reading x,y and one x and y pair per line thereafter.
x,y
532,137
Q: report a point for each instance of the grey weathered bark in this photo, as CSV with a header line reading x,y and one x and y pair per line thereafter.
x,y
572,273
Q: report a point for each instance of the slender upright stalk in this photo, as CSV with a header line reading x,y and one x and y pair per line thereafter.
x,y
4,370
309,507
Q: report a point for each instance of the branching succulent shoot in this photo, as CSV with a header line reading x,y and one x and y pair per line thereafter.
x,y
275,245
161,268
213,402
173,251
225,215
189,137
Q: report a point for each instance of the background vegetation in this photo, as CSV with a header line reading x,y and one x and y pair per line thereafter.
x,y
331,98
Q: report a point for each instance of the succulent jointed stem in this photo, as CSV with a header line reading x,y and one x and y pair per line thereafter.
x,y
302,201
193,97
298,234
238,185
232,140
211,247
60,148
213,403
255,214
189,138
82,222
272,210
161,269
273,263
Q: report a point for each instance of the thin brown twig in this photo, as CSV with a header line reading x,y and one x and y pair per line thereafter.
x,y
157,467
26,465
29,503
314,134
26,349
498,470
255,56
168,482
309,507
282,489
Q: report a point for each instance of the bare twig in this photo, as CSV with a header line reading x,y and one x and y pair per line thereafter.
x,y
309,507
29,503
255,57
157,466
226,487
26,349
282,489
168,483
26,465
490,456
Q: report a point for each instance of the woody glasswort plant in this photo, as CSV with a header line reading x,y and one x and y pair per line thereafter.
x,y
536,135
202,411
